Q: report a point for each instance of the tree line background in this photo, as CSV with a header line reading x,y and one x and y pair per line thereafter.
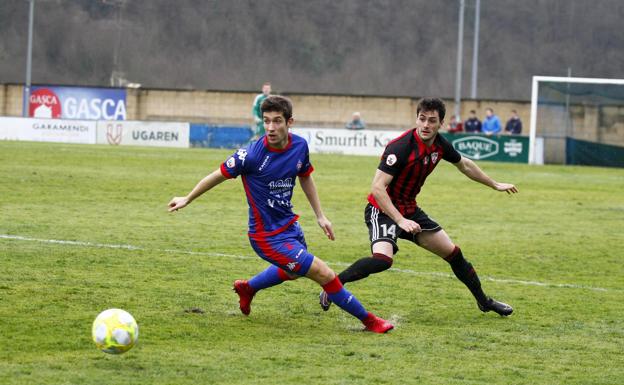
x,y
358,47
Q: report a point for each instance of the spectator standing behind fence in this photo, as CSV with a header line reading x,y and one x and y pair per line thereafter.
x,y
473,124
356,122
455,125
257,113
514,124
491,124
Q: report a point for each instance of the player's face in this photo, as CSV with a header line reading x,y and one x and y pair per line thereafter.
x,y
276,127
428,124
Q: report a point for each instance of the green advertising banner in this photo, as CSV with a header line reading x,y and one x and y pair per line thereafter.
x,y
498,148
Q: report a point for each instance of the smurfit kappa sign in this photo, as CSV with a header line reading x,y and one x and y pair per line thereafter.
x,y
370,142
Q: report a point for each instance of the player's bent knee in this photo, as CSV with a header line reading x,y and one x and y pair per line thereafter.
x,y
385,260
438,243
320,272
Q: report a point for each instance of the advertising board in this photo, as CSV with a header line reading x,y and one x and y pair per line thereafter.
x,y
48,130
87,103
136,133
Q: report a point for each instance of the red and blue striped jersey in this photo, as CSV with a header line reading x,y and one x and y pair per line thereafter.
x,y
269,177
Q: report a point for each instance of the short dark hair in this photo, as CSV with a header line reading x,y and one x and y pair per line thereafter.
x,y
432,104
277,103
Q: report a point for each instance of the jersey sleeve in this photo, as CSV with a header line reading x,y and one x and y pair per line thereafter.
x,y
394,157
449,153
306,168
235,164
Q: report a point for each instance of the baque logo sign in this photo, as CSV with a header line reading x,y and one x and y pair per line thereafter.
x,y
476,147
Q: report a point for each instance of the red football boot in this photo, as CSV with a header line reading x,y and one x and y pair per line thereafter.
x,y
245,294
376,325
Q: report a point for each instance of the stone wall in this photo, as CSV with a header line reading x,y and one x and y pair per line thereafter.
x,y
309,110
391,113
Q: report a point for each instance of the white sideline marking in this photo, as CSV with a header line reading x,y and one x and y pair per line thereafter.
x,y
125,247
406,271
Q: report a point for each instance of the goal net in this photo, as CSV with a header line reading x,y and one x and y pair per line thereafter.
x,y
577,121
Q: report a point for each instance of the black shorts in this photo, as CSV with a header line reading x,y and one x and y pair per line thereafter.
x,y
383,229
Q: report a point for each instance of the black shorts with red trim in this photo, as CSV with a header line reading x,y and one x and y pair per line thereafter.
x,y
383,229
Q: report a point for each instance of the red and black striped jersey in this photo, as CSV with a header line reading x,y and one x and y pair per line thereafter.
x,y
410,161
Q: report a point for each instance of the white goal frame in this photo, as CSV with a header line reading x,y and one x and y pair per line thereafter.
x,y
534,94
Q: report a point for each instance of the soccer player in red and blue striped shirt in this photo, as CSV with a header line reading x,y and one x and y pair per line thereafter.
x,y
392,211
269,168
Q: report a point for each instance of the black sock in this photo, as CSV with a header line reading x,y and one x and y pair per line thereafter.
x,y
466,273
364,267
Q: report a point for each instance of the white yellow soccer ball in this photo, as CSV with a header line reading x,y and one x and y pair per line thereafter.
x,y
115,331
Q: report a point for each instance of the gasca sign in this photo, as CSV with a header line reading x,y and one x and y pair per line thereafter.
x,y
497,148
86,103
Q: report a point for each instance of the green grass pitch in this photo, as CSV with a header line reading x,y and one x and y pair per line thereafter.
x,y
85,228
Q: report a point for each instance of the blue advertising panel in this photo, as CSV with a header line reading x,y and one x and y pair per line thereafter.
x,y
217,136
85,103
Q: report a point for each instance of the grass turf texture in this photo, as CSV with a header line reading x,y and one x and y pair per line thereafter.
x,y
553,252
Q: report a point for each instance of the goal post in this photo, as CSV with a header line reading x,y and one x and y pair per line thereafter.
x,y
570,108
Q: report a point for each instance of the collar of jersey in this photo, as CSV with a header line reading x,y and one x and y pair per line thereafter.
x,y
421,143
266,144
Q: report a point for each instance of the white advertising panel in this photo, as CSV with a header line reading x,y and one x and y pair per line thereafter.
x,y
135,133
48,130
348,142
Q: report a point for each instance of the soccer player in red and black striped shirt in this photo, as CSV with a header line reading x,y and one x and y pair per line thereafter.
x,y
392,211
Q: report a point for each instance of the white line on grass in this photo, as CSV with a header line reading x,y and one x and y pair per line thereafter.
x,y
406,271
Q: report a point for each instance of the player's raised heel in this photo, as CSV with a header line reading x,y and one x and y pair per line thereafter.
x,y
324,300
496,306
245,295
375,324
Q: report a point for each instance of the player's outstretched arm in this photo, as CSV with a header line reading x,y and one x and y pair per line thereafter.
x,y
472,171
309,188
204,185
